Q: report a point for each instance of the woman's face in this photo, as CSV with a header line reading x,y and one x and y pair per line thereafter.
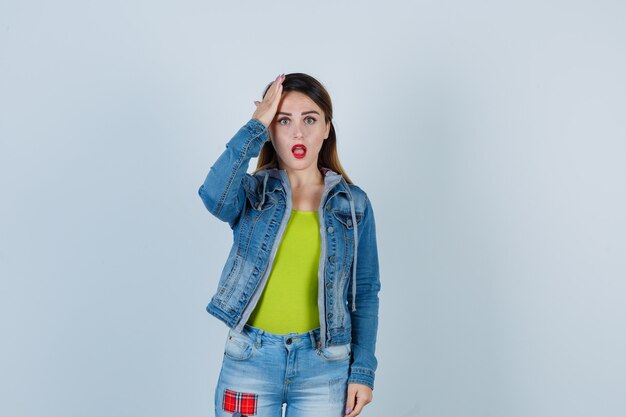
x,y
298,131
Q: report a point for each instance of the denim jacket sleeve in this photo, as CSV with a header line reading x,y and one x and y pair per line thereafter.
x,y
222,192
364,320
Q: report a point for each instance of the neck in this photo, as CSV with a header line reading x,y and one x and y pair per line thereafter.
x,y
304,178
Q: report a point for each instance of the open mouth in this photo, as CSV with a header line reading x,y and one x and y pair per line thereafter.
x,y
298,151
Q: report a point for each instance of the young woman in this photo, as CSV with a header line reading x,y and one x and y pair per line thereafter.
x,y
299,291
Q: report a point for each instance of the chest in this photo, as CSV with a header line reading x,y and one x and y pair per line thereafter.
x,y
307,198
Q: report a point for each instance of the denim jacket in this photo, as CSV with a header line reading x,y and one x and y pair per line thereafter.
x,y
257,208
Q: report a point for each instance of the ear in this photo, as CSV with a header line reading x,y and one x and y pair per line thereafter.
x,y
327,130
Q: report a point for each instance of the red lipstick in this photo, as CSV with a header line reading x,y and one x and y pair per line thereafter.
x,y
298,150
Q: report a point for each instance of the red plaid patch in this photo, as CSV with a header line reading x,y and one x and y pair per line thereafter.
x,y
241,402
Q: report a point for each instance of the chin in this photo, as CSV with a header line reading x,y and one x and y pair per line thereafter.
x,y
297,165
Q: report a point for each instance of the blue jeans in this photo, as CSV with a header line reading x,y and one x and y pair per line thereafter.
x,y
261,371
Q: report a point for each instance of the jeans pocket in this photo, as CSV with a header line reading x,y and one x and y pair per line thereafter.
x,y
238,346
334,353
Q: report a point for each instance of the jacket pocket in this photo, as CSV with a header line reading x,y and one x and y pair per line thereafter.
x,y
345,218
227,285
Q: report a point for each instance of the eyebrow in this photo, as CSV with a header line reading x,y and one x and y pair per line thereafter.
x,y
306,112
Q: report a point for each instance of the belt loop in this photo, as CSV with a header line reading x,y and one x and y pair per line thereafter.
x,y
258,338
315,339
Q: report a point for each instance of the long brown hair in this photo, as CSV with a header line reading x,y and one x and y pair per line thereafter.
x,y
327,157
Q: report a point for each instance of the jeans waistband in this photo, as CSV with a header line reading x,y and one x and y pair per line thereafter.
x,y
306,339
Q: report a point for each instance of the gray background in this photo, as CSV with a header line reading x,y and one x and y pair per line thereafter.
x,y
489,135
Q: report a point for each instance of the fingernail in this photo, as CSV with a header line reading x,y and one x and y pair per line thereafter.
x,y
348,410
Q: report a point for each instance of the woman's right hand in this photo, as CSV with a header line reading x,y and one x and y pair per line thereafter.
x,y
266,109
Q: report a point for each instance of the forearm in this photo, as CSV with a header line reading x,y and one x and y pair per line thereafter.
x,y
222,190
364,319
364,332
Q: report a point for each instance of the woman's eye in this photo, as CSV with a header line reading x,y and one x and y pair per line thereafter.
x,y
311,119
280,122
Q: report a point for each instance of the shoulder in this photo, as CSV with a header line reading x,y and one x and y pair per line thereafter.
x,y
355,189
261,182
252,183
360,197
251,180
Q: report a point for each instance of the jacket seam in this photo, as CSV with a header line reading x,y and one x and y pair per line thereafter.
x,y
233,172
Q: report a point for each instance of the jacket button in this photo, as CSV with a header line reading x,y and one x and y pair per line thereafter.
x,y
331,258
289,341
329,285
329,315
330,229
349,222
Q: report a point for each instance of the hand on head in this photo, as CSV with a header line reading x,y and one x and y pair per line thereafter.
x,y
266,109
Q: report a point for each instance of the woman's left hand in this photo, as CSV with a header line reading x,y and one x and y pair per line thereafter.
x,y
358,396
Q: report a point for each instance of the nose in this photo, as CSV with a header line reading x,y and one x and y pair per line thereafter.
x,y
298,131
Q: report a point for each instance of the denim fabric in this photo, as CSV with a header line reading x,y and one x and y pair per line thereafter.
x,y
273,369
257,208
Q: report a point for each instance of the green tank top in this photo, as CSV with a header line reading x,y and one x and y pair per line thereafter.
x,y
289,299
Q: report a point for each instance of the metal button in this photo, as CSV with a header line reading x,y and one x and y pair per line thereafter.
x,y
329,315
331,258
330,229
329,285
289,341
349,222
